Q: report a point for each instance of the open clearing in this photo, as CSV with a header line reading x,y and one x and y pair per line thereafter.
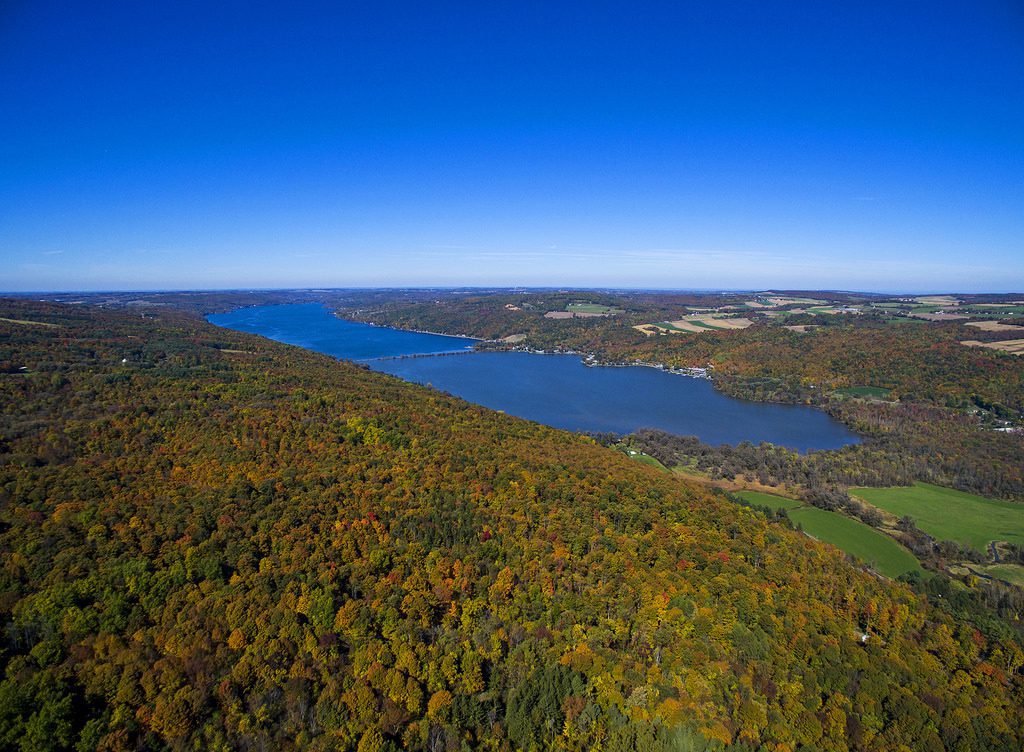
x,y
876,549
943,300
946,514
864,391
687,326
831,310
592,309
999,309
1003,311
938,316
1012,573
645,458
1012,346
781,301
702,322
995,326
576,314
770,500
28,323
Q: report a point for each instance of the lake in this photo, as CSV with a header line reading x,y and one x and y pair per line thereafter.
x,y
314,327
558,390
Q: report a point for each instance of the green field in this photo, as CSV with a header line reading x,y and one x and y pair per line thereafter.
x,y
996,310
864,391
769,500
876,549
951,515
645,458
1013,573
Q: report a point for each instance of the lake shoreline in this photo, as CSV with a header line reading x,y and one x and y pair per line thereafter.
x,y
576,392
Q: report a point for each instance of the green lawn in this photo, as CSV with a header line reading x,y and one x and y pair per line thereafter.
x,y
876,549
951,515
645,458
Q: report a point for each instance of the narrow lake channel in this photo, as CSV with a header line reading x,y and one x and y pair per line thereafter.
x,y
558,390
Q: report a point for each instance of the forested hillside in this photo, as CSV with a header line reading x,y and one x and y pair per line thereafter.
x,y
212,541
940,400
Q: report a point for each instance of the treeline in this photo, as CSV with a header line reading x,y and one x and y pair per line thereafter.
x,y
902,444
212,541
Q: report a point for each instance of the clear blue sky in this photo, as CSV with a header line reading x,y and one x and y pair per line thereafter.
x,y
867,145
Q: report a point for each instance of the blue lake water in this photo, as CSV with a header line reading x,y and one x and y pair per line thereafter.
x,y
558,390
314,327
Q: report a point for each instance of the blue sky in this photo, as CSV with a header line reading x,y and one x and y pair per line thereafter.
x,y
875,146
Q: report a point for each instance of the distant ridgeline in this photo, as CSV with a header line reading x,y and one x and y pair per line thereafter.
x,y
213,541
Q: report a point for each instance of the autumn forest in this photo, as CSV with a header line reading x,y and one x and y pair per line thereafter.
x,y
213,541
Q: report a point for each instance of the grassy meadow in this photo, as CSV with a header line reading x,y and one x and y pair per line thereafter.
x,y
878,550
947,514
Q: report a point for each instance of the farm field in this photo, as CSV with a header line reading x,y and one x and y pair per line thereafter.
x,y
942,300
996,309
995,326
947,514
592,308
781,301
583,310
937,315
826,310
1012,346
696,324
876,549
